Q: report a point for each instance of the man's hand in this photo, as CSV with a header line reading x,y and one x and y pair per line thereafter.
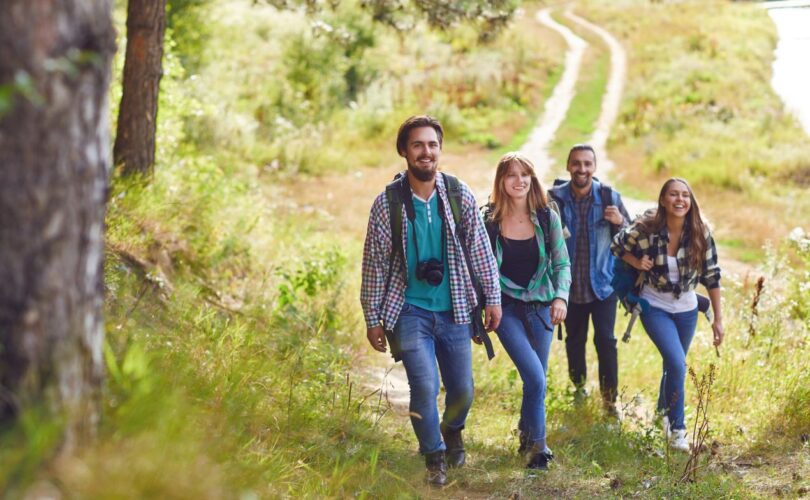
x,y
558,311
613,215
376,337
492,317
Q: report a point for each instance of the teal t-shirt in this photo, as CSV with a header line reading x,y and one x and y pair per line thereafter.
x,y
428,228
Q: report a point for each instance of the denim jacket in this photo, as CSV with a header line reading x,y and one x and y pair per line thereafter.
x,y
601,258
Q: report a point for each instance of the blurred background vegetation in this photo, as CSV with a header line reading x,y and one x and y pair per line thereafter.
x,y
235,346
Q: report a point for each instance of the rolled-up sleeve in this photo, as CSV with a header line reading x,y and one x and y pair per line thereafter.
x,y
710,277
626,240
560,261
376,250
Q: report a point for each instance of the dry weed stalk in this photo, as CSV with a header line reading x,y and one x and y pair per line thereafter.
x,y
752,328
700,432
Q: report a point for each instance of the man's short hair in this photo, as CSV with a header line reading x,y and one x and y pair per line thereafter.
x,y
416,122
581,147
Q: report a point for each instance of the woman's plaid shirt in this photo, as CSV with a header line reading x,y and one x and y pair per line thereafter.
x,y
632,239
379,309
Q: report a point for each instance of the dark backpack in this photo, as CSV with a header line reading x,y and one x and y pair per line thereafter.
x,y
605,194
398,193
543,217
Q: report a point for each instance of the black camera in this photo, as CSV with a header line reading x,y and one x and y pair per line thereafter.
x,y
431,270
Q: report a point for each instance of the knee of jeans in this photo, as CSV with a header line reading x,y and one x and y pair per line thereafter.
x,y
676,369
535,383
424,390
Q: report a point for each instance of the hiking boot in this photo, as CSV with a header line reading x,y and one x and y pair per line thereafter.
x,y
612,410
436,474
678,440
539,458
580,396
455,454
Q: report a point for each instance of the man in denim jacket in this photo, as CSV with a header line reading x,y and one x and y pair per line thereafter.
x,y
591,225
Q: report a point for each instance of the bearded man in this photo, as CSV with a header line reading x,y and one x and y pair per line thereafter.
x,y
418,293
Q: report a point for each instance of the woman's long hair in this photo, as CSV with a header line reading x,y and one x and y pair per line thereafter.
x,y
500,200
695,227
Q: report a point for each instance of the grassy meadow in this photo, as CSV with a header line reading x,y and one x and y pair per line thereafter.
x,y
236,355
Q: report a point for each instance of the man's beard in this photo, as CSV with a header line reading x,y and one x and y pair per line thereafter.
x,y
422,174
581,184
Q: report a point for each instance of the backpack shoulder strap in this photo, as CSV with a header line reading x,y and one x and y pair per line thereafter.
x,y
493,230
544,218
606,193
393,193
454,195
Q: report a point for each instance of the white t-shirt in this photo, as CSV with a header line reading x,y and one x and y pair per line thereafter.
x,y
666,300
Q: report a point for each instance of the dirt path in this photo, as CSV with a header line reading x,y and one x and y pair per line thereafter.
x,y
556,107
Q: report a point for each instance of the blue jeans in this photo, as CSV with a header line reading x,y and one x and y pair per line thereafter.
x,y
425,338
529,351
671,333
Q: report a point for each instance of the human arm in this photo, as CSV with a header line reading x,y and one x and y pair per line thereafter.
x,y
560,270
717,324
376,255
710,278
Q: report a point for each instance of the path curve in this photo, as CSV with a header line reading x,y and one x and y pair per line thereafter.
x,y
556,107
611,101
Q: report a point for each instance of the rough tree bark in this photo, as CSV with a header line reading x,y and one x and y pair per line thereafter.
x,y
54,171
137,117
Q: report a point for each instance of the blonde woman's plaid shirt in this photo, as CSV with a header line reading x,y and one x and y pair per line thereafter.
x,y
379,308
631,239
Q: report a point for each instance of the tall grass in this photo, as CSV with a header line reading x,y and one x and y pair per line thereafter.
x,y
698,104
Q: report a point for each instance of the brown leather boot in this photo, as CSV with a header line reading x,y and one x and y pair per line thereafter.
x,y
456,456
436,469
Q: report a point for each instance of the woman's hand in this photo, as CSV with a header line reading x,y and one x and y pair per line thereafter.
x,y
645,263
558,311
717,329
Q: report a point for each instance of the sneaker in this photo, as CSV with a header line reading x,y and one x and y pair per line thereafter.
x,y
436,474
678,440
580,396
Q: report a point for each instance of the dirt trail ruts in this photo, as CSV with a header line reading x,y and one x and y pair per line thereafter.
x,y
556,107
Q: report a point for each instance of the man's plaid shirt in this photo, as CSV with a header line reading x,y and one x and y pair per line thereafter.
x,y
632,239
379,309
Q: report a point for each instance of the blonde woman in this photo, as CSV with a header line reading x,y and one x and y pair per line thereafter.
x,y
527,241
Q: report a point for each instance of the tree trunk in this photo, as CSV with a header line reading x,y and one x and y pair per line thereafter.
x,y
137,117
54,171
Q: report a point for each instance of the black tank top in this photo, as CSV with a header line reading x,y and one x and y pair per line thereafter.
x,y
519,259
